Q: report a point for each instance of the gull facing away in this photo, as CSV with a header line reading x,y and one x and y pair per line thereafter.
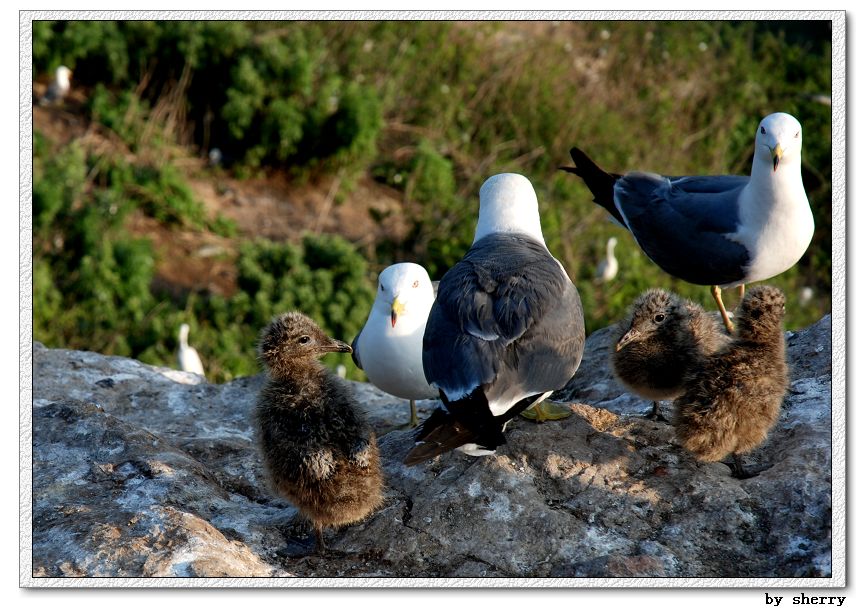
x,y
722,231
187,356
506,328
58,88
388,348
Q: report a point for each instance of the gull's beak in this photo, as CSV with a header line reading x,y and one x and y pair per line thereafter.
x,y
629,337
335,346
777,153
396,309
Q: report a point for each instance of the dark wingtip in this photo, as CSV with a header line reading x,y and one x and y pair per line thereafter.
x,y
569,170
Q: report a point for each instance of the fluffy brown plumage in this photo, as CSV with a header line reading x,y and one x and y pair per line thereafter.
x,y
659,341
733,397
319,451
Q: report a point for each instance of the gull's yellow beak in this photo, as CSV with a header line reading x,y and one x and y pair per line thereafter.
x,y
396,309
777,153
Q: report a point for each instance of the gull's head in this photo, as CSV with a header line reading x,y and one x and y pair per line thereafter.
x,y
509,205
611,243
778,141
62,75
184,333
404,292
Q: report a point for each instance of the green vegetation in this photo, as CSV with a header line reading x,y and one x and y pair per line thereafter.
x,y
431,109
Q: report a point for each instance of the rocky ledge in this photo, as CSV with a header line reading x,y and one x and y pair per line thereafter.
x,y
147,471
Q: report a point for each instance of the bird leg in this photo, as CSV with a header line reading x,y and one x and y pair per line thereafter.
x,y
716,294
413,418
738,467
741,290
320,547
656,414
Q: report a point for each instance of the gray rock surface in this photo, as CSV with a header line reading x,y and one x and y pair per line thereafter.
x,y
146,471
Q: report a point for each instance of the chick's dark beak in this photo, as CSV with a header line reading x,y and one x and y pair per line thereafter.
x,y
629,337
336,346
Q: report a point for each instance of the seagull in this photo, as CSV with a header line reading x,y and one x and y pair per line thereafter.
x,y
388,348
506,328
58,88
609,266
722,231
187,356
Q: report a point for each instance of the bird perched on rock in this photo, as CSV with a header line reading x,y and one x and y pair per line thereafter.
x,y
319,451
506,328
658,342
722,231
389,346
732,398
187,356
59,87
609,266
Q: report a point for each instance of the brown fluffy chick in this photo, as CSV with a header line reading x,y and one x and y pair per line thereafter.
x,y
658,342
733,397
319,451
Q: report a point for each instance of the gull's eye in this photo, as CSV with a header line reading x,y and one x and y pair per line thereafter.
x,y
415,284
797,134
762,130
660,317
303,340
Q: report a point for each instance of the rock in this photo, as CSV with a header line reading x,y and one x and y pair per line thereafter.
x,y
145,471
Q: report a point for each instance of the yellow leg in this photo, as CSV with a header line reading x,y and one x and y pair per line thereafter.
x,y
543,410
741,289
716,294
413,416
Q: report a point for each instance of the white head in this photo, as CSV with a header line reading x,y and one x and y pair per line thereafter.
x,y
184,334
611,244
778,142
509,205
404,295
62,75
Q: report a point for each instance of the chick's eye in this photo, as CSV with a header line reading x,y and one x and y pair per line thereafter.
x,y
303,339
762,130
659,317
415,284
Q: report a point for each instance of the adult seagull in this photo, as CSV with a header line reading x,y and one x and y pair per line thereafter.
x,y
722,231
388,348
506,328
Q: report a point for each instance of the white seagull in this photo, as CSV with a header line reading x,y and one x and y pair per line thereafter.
x,y
506,328
187,356
609,266
58,88
720,230
388,348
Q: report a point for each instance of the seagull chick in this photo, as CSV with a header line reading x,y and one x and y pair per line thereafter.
x,y
658,342
722,231
732,398
506,328
319,451
389,346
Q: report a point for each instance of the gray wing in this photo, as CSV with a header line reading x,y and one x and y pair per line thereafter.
x,y
506,312
682,224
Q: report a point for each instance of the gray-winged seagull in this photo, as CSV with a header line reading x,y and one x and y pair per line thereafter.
x,y
506,328
388,348
722,231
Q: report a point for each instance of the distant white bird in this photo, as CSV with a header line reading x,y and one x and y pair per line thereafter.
x,y
187,357
389,346
806,294
609,266
341,370
58,88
